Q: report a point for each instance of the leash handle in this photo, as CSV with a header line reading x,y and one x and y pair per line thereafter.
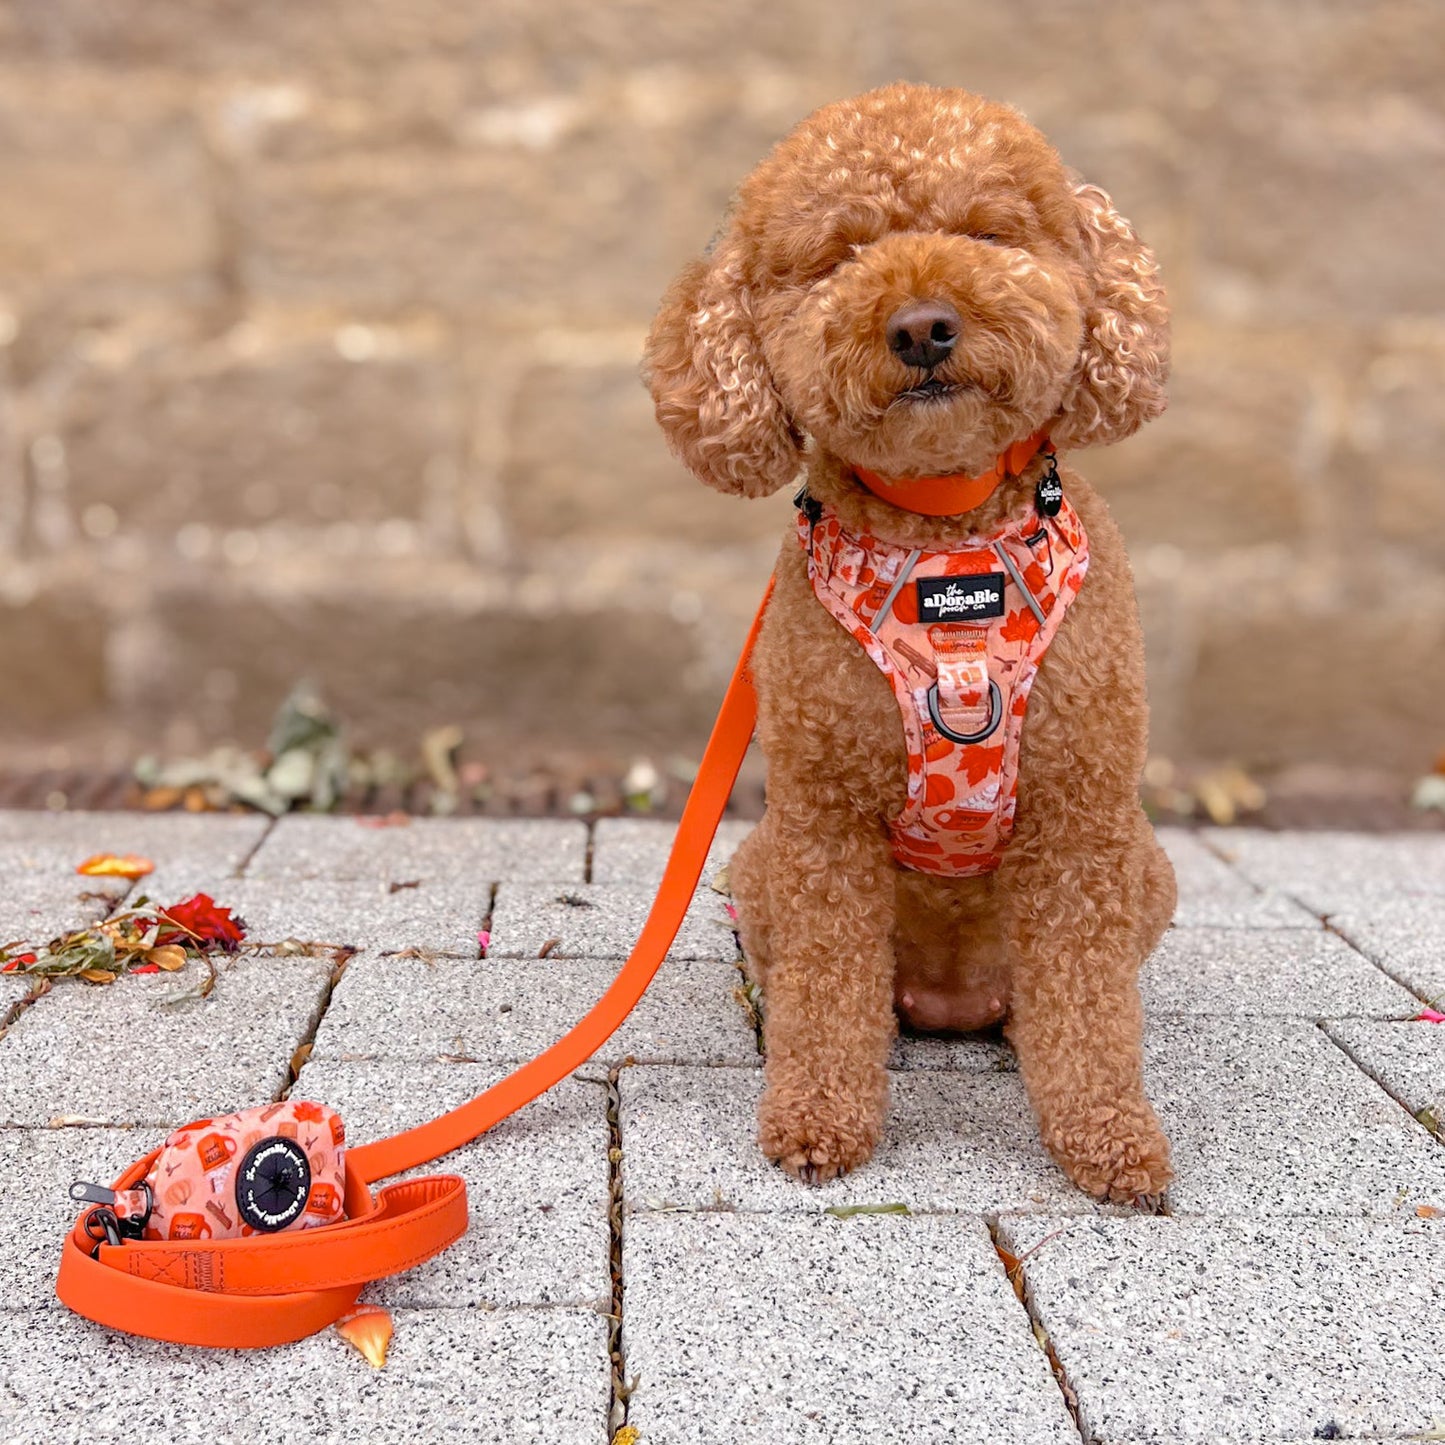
x,y
272,1289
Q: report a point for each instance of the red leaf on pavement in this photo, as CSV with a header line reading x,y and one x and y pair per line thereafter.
x,y
203,921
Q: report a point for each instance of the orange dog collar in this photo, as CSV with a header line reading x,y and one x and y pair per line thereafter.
x,y
948,496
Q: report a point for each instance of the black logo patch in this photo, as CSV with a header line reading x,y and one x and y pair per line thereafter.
x,y
960,599
273,1183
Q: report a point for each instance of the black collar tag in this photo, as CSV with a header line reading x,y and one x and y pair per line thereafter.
x,y
1049,494
973,598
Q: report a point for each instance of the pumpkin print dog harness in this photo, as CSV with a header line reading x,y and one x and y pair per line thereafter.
x,y
959,633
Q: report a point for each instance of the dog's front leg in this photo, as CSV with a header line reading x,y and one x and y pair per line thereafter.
x,y
1076,940
829,1017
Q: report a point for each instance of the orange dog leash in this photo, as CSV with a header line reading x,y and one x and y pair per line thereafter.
x,y
270,1289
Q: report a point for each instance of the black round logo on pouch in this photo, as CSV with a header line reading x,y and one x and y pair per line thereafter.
x,y
273,1183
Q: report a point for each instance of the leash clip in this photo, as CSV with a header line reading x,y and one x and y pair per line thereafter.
x,y
103,1227
128,1221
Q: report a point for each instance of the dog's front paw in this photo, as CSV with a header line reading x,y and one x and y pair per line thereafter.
x,y
817,1136
1114,1152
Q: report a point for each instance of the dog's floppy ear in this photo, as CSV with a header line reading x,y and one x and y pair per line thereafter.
x,y
1124,362
716,400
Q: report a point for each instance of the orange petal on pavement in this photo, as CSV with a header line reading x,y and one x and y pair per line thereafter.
x,y
368,1328
116,865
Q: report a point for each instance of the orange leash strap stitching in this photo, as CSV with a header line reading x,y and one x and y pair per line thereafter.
x,y
272,1289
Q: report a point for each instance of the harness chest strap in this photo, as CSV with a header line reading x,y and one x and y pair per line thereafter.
x,y
272,1289
959,634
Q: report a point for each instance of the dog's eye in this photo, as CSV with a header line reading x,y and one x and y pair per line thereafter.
x,y
987,236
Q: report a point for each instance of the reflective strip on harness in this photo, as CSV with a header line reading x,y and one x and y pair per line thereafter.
x,y
959,634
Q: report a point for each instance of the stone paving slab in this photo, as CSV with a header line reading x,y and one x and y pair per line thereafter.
x,y
1407,1058
13,990
588,921
34,909
1266,1117
37,1167
953,1142
537,1184
1405,937
477,851
634,851
1214,1440
185,846
507,1010
1336,872
439,915
1234,1328
451,1375
964,1053
1214,895
810,1330
127,1053
1291,972
1269,1117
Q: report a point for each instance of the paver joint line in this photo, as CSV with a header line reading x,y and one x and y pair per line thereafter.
x,y
1017,1278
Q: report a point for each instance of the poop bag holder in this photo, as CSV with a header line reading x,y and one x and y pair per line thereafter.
x,y
257,1172
209,1239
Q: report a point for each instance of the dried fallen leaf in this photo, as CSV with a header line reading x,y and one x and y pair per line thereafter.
x,y
547,947
169,956
438,754
389,820
1429,793
116,865
299,1058
368,1329
1426,1211
97,975
847,1211
627,1435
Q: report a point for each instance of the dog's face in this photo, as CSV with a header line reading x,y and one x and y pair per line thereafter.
x,y
913,280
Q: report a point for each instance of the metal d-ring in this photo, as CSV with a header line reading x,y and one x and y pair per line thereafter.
x,y
995,711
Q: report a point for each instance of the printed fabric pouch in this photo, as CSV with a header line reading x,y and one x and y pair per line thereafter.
x,y
261,1171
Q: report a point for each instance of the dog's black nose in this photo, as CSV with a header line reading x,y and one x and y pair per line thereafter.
x,y
922,333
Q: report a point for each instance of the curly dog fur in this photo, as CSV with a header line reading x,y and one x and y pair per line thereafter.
x,y
770,355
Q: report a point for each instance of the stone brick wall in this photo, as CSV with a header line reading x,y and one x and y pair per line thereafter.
x,y
319,323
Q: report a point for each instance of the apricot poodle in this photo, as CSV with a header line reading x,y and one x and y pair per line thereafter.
x,y
916,303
